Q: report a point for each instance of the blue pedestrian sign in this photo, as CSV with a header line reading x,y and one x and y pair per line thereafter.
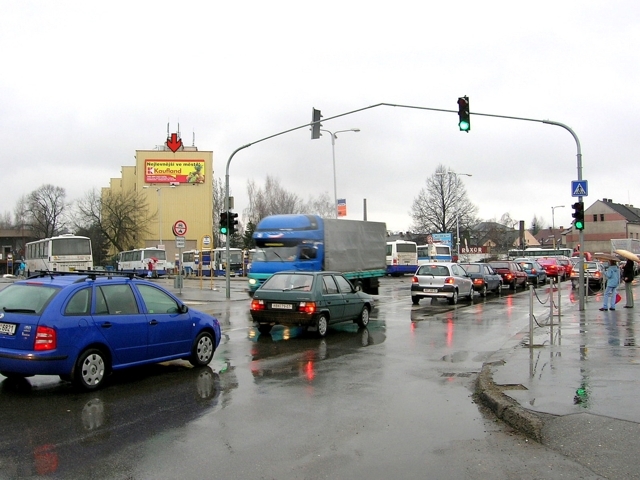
x,y
579,188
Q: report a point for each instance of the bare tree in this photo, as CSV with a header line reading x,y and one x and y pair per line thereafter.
x,y
6,220
218,207
47,208
21,212
322,206
537,224
443,204
507,220
123,218
271,200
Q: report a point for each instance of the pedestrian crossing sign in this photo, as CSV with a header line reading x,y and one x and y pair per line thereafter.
x,y
579,188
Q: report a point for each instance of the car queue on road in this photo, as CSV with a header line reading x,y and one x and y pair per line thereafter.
x,y
451,280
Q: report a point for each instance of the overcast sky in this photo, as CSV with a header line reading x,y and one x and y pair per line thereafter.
x,y
86,84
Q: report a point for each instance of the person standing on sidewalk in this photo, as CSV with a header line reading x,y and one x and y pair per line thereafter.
x,y
612,275
627,275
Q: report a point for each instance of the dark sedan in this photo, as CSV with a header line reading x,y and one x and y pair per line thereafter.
x,y
512,273
311,300
484,278
536,274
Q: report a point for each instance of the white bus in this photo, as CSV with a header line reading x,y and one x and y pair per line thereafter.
x,y
217,257
540,252
402,257
436,252
137,261
65,253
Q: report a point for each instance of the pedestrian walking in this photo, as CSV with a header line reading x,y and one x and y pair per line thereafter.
x,y
612,274
627,275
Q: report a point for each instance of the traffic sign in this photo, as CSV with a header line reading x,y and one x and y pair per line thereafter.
x,y
206,242
179,242
579,188
180,228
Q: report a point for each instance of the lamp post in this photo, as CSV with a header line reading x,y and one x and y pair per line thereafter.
x,y
553,223
333,151
159,190
455,174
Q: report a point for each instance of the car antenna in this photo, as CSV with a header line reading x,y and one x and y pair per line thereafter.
x,y
46,269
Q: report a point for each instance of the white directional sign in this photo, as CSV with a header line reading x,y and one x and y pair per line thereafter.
x,y
579,188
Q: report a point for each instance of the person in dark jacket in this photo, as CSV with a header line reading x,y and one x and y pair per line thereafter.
x,y
627,275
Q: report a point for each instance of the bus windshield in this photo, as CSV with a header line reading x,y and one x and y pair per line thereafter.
x,y
70,246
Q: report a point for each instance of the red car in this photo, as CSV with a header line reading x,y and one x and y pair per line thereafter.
x,y
568,266
512,274
553,267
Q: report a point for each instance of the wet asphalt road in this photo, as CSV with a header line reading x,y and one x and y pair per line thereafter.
x,y
393,400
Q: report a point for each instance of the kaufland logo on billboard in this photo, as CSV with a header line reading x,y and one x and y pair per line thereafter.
x,y
174,171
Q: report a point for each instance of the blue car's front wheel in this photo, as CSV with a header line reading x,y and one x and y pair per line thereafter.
x,y
203,349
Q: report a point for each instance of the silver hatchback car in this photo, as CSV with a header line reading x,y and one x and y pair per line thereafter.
x,y
441,280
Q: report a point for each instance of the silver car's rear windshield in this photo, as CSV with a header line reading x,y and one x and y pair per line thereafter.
x,y
435,270
26,298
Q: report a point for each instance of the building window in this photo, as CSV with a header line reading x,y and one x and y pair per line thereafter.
x,y
602,217
595,217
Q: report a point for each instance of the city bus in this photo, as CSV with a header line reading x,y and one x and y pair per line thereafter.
x,y
402,257
64,253
217,256
540,252
436,252
137,261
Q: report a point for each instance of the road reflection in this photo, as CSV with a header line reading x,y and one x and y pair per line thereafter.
x,y
292,352
64,432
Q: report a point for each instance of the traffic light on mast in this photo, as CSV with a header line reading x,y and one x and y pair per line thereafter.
x,y
233,223
578,215
464,122
315,127
224,223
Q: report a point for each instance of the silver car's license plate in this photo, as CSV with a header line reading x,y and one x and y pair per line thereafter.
x,y
430,290
282,306
7,328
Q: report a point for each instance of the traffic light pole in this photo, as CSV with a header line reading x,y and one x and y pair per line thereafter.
x,y
316,122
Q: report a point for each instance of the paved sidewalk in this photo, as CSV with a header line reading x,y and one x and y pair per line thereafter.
x,y
576,389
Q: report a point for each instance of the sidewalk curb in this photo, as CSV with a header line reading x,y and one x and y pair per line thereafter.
x,y
504,407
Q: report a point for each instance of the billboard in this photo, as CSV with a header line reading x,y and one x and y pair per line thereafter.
x,y
174,171
446,238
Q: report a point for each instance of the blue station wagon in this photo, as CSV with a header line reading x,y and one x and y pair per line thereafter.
x,y
82,326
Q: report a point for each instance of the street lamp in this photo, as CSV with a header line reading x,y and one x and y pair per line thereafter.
x,y
333,150
553,224
159,190
455,174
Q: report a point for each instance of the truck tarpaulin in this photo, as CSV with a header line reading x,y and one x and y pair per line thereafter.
x,y
352,245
